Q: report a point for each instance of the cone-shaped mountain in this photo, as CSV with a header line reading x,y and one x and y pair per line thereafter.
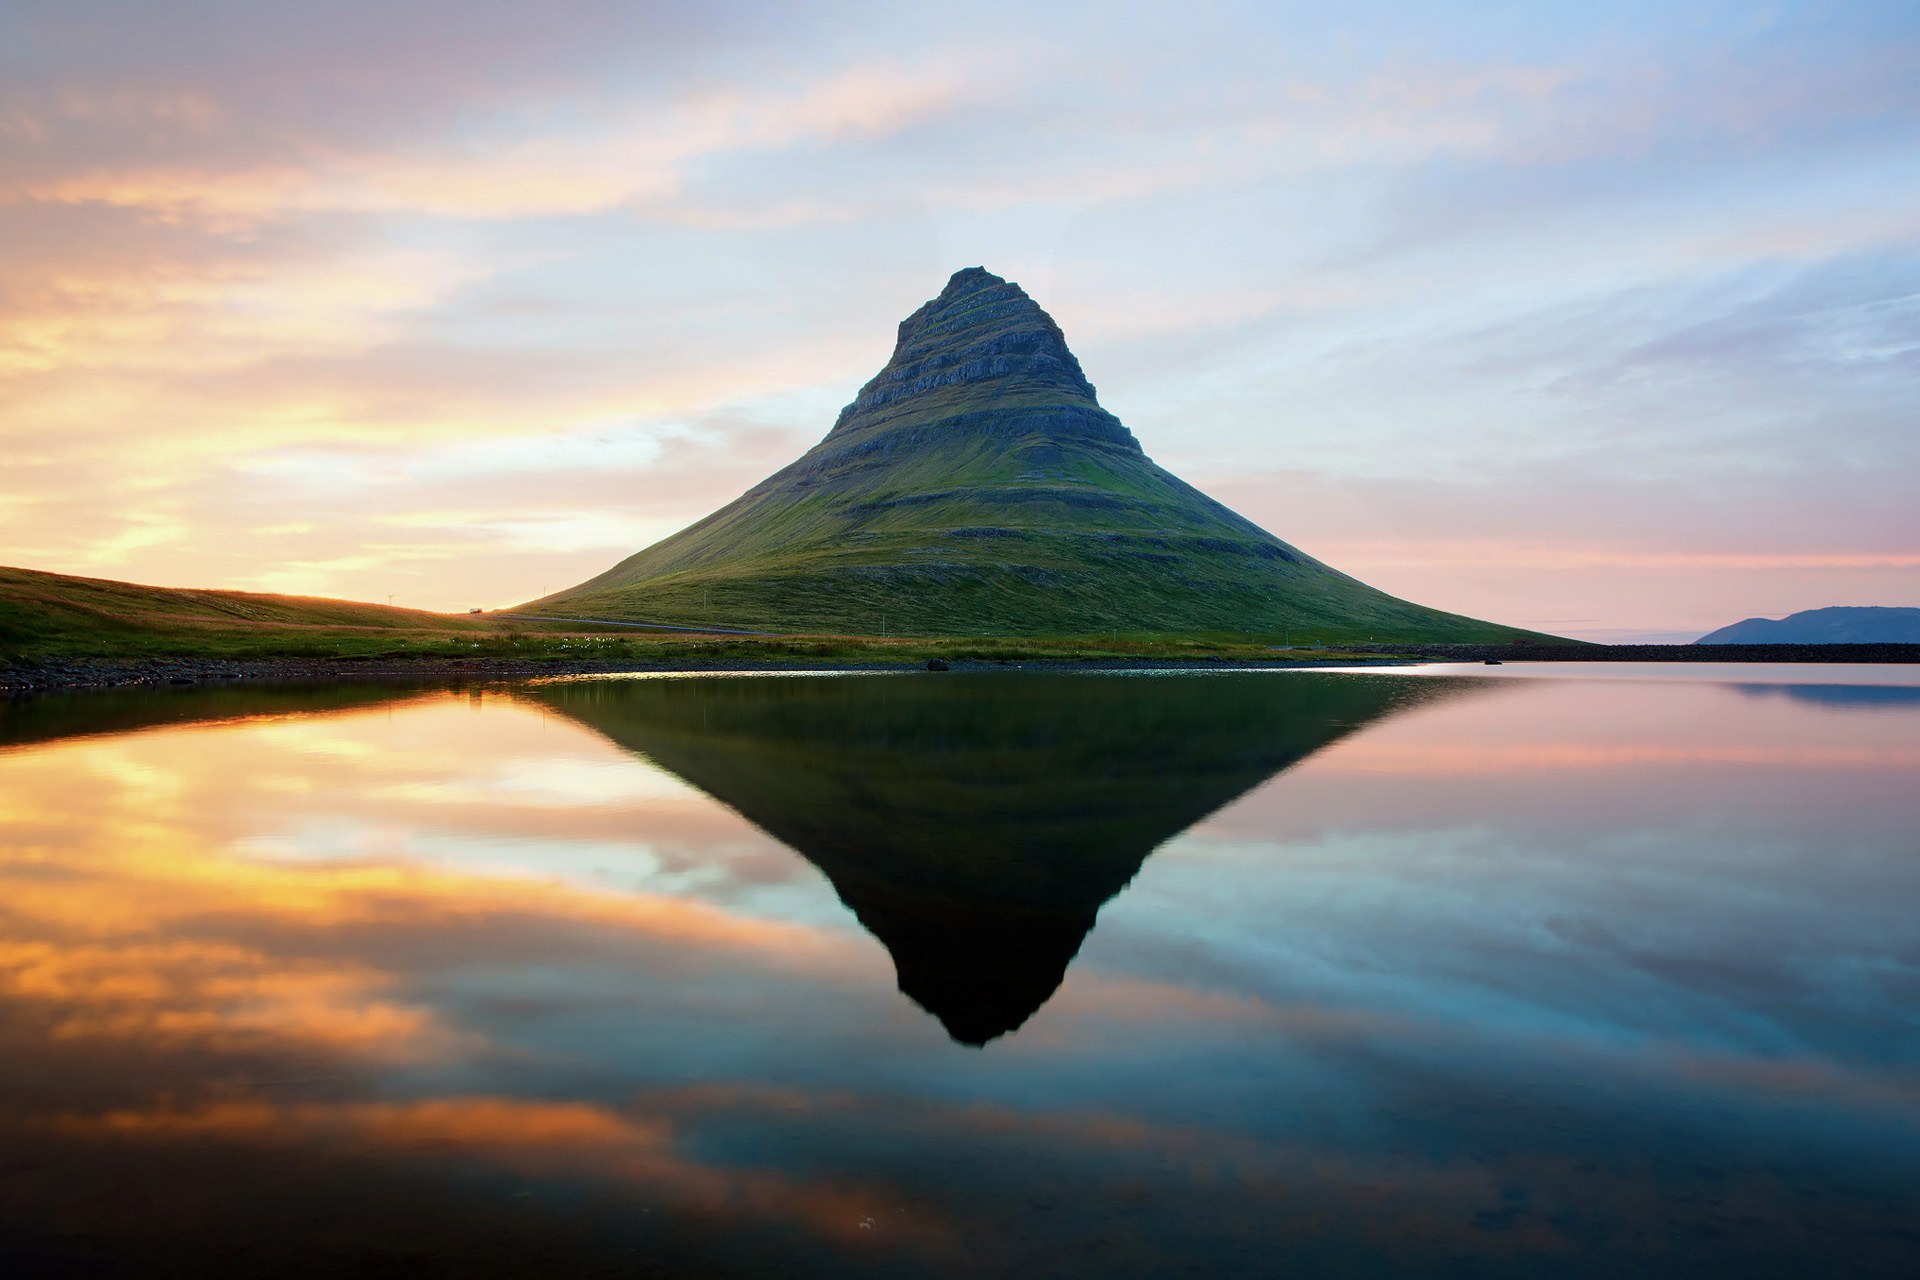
x,y
975,824
976,485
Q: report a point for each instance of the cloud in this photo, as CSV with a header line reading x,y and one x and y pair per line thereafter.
x,y
638,158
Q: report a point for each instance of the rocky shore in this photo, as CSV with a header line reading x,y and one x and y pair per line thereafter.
x,y
108,673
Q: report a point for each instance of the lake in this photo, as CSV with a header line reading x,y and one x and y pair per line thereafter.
x,y
1558,970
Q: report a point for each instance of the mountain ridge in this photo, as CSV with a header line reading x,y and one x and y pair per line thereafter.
x,y
1837,624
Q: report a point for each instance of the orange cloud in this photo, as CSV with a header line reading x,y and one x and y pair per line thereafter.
x,y
213,994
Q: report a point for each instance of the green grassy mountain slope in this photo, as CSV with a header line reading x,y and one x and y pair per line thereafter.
x,y
975,485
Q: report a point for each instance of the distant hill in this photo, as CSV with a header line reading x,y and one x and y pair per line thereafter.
x,y
31,597
1844,625
975,485
58,612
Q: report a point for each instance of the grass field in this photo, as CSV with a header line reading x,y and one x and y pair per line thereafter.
x,y
46,616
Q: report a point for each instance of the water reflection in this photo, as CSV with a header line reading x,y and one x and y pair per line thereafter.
x,y
91,713
976,826
1845,697
1575,978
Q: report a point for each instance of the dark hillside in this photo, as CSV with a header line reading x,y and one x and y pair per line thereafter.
x,y
1842,625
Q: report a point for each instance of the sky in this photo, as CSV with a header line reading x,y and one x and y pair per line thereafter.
x,y
1598,319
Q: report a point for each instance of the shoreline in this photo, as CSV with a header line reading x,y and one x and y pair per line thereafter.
x,y
1875,653
96,674
60,675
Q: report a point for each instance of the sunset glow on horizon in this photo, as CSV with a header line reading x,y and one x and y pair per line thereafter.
x,y
1603,323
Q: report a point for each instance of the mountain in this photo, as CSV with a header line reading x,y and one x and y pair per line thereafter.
x,y
1867,624
975,485
975,825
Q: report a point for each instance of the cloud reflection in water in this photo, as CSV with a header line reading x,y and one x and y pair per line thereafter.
x,y
1562,979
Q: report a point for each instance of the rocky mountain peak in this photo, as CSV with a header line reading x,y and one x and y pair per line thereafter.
x,y
983,336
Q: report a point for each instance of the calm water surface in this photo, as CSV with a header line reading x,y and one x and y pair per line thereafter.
x,y
1516,971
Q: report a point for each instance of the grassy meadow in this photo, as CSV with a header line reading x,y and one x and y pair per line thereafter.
x,y
46,616
56,615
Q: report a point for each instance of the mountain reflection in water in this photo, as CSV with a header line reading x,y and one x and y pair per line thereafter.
x,y
975,825
1845,697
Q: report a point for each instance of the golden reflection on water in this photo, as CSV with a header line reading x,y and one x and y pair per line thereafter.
x,y
195,912
402,936
201,882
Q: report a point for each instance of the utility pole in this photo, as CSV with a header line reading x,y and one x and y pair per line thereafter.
x,y
389,599
883,626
